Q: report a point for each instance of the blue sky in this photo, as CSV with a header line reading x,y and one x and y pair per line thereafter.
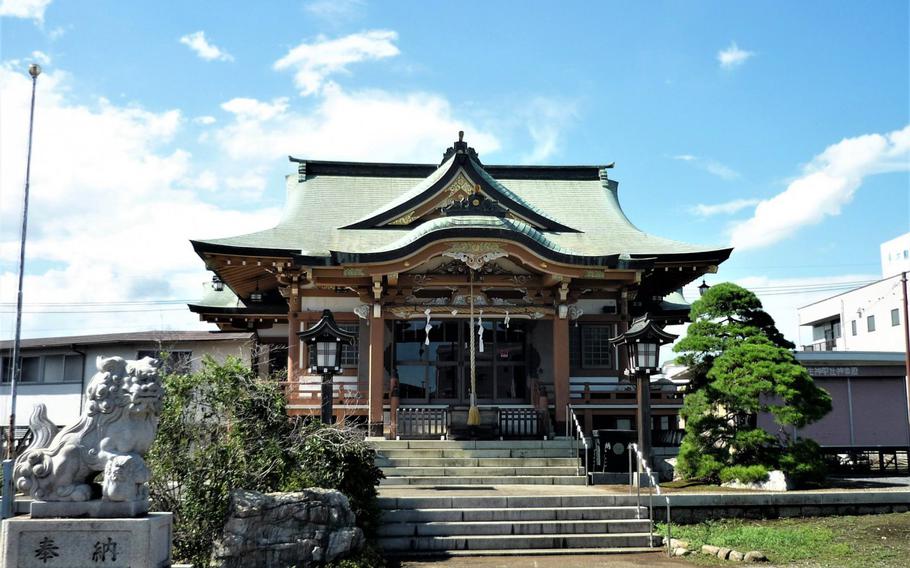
x,y
779,127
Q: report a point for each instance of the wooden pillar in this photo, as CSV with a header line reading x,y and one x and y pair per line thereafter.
x,y
561,371
293,346
377,374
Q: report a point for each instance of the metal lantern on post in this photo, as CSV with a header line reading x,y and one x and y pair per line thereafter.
x,y
326,339
702,288
643,340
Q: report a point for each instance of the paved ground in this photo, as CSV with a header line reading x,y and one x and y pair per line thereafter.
x,y
555,561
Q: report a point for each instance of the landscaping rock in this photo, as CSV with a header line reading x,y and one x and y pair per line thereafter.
x,y
736,556
675,543
302,529
710,550
681,552
755,556
723,553
776,481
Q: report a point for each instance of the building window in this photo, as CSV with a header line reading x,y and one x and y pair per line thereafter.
x,y
46,368
895,317
178,362
590,348
853,327
870,323
350,354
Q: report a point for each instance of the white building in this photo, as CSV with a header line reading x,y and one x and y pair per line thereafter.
x,y
896,256
56,370
869,318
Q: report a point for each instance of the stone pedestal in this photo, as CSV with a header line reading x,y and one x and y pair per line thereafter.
x,y
143,542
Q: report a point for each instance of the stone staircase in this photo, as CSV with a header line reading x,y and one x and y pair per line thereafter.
x,y
500,497
528,524
451,462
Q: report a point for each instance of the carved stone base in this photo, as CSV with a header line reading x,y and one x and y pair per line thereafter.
x,y
96,509
80,543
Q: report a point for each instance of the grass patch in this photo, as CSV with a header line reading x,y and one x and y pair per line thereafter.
x,y
842,542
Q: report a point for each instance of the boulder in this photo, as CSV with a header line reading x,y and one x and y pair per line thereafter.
x,y
676,543
709,550
736,556
776,481
755,556
300,529
723,553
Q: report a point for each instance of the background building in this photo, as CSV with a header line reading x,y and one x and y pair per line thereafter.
x,y
869,318
55,370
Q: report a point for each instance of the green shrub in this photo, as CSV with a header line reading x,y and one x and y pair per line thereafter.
x,y
803,463
340,458
744,474
222,429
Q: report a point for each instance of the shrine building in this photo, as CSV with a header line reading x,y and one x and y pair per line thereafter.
x,y
542,259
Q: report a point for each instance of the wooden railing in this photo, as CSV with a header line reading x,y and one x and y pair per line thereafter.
x,y
520,423
421,422
349,394
606,390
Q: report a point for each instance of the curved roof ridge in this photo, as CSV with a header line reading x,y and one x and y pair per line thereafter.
x,y
471,221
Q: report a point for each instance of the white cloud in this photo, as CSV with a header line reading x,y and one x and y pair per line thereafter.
x,y
113,204
204,120
41,57
334,10
368,125
733,56
205,50
250,180
27,9
546,120
246,109
727,208
315,62
828,183
713,167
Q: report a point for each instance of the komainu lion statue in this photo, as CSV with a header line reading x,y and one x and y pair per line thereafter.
x,y
118,425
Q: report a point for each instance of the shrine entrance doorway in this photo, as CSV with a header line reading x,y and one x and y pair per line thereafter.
x,y
439,371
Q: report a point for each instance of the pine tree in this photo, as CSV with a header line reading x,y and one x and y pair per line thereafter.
x,y
743,367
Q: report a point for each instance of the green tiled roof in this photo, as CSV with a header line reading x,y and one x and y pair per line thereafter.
x,y
318,207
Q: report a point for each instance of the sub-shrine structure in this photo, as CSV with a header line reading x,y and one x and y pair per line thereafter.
x,y
540,259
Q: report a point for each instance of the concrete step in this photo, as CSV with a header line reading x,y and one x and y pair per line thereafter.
x,y
512,514
488,528
383,461
469,453
470,444
518,542
487,480
478,471
507,502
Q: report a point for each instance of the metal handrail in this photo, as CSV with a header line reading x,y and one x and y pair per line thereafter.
x,y
579,434
653,486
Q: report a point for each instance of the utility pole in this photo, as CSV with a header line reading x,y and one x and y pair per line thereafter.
x,y
9,489
906,351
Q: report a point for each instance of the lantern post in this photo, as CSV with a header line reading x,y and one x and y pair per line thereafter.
x,y
326,338
643,340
